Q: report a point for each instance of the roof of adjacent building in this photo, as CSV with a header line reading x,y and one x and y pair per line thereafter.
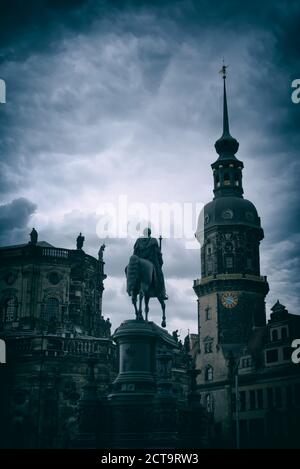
x,y
43,244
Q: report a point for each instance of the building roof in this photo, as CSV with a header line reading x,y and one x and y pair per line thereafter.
x,y
43,244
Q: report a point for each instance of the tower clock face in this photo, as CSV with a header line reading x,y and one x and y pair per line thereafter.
x,y
229,299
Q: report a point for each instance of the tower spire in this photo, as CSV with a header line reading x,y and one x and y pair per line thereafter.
x,y
226,146
227,169
225,108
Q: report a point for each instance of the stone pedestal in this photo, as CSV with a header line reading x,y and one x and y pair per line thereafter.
x,y
143,409
131,402
136,342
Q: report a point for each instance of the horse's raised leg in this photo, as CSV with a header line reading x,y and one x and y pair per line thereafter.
x,y
163,307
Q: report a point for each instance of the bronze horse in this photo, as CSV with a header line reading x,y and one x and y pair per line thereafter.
x,y
140,274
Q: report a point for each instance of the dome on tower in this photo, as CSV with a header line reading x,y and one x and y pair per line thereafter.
x,y
227,211
230,211
226,146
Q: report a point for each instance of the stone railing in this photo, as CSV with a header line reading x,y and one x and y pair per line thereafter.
x,y
83,346
46,254
55,252
20,346
257,278
58,346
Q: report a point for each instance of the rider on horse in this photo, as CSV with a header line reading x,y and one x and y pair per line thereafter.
x,y
144,276
148,248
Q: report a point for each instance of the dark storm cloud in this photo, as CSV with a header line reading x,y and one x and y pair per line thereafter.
x,y
14,218
101,94
26,26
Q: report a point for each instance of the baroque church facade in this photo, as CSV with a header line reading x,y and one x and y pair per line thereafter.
x,y
52,323
239,378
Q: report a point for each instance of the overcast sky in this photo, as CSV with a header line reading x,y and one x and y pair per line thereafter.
x,y
124,97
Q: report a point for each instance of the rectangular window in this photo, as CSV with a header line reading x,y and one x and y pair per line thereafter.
x,y
270,398
272,356
287,353
252,400
229,262
289,396
209,266
242,401
278,397
297,394
233,402
10,310
274,335
246,362
260,399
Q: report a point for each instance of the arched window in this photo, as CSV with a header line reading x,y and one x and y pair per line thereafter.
x,y
209,373
209,265
208,345
51,310
248,261
89,317
209,403
208,313
228,246
229,263
10,309
275,335
226,179
284,333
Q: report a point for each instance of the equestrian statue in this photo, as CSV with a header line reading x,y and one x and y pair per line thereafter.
x,y
144,275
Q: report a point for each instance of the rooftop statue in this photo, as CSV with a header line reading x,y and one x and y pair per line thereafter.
x,y
33,237
100,252
80,241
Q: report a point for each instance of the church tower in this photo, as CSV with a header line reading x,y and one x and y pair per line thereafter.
x,y
231,292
